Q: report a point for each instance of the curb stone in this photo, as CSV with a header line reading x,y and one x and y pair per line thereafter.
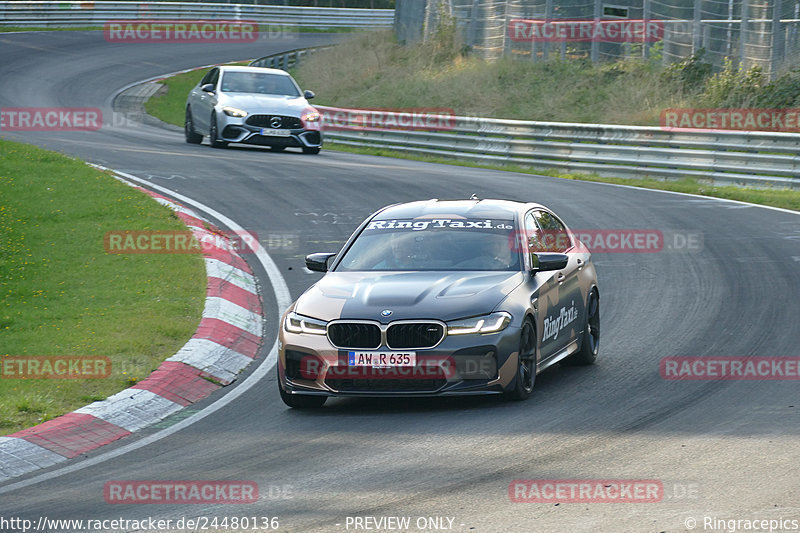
x,y
226,341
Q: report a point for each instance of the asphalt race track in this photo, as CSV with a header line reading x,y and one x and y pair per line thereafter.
x,y
722,449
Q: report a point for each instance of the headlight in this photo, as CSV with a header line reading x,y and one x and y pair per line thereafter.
x,y
311,117
234,112
480,324
295,323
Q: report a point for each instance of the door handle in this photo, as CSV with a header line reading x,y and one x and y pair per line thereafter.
x,y
580,264
560,278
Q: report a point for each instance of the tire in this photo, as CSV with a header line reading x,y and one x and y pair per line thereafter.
x,y
301,401
525,377
315,150
213,134
192,137
591,334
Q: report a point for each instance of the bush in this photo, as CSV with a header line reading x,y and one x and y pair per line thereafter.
x,y
690,75
733,87
783,92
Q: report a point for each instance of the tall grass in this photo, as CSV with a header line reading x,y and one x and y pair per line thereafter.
x,y
375,71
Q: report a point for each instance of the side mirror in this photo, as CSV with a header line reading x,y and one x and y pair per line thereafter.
x,y
208,87
318,262
309,95
544,262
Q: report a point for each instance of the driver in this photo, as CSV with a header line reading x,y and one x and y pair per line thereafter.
x,y
402,252
491,253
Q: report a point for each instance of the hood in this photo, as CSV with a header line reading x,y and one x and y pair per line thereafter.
x,y
409,295
265,103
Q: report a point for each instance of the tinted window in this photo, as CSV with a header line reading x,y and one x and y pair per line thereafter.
x,y
553,236
434,244
210,77
258,82
533,234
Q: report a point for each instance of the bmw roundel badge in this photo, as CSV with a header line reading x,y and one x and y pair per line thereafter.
x,y
386,312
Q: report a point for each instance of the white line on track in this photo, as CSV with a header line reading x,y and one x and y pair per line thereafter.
x,y
698,196
283,298
240,154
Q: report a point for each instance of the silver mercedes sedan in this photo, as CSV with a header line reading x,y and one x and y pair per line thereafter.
x,y
252,105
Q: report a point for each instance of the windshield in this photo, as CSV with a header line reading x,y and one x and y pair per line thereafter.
x,y
258,82
433,244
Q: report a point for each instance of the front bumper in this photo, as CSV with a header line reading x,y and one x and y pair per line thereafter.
x,y
460,364
236,130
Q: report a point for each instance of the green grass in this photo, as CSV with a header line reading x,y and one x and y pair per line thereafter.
x,y
62,294
169,104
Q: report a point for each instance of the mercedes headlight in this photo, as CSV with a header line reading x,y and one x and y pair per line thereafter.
x,y
234,112
311,116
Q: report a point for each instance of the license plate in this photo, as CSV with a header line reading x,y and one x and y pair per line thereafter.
x,y
381,359
275,133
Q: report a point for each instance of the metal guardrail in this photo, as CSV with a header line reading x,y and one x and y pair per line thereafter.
x,y
744,158
286,60
726,157
78,14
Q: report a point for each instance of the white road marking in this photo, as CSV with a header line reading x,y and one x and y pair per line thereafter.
x,y
230,155
710,198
